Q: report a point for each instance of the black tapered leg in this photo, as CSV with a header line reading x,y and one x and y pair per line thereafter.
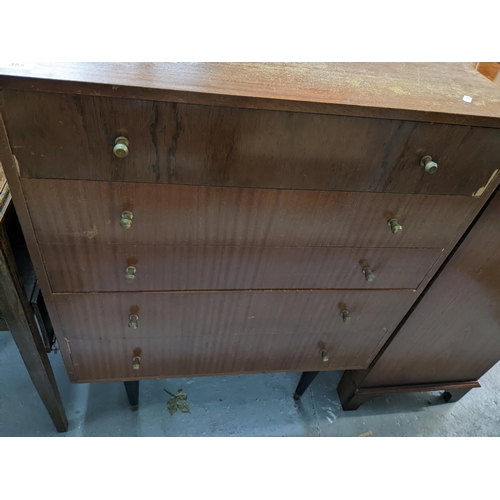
x,y
304,382
454,395
132,389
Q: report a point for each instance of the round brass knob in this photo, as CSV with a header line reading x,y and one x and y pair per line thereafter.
x,y
133,321
345,316
121,147
395,226
324,355
369,276
126,220
429,165
136,362
130,274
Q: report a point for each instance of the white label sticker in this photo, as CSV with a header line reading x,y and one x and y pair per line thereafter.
x,y
467,98
17,65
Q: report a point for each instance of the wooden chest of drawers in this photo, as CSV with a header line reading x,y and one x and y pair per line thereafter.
x,y
179,229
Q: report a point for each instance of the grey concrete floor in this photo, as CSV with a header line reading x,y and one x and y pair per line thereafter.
x,y
240,405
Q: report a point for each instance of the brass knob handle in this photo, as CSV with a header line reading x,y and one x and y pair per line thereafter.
x,y
130,274
345,316
121,147
133,321
126,220
429,165
369,276
136,362
324,355
395,226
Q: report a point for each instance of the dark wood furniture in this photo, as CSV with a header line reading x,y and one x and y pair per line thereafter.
x,y
202,219
452,336
457,315
23,310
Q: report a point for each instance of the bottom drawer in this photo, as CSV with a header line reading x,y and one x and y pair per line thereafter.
x,y
208,333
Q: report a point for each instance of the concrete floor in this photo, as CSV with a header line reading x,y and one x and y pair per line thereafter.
x,y
240,405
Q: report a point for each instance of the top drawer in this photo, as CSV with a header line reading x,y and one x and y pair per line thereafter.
x,y
72,137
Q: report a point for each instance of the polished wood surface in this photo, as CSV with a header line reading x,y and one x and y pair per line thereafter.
x,y
226,332
70,212
454,333
411,91
88,267
217,146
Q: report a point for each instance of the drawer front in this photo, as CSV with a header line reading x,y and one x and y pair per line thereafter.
x,y
89,267
226,332
72,137
185,356
70,212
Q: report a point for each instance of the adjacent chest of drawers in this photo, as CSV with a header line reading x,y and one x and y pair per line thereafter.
x,y
183,233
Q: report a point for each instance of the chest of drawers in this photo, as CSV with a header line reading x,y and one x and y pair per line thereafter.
x,y
201,219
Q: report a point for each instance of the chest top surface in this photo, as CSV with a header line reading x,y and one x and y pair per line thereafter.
x,y
437,92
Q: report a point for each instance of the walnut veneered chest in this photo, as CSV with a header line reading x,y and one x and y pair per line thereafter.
x,y
195,219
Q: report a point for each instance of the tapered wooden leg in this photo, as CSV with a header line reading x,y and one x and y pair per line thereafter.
x,y
132,389
354,401
454,395
304,382
20,319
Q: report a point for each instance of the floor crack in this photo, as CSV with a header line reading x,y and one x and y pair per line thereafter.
x,y
315,413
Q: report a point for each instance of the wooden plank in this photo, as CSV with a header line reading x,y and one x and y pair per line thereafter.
x,y
20,319
411,91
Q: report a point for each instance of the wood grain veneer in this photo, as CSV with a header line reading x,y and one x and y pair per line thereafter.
x,y
226,332
72,137
73,211
101,268
454,332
